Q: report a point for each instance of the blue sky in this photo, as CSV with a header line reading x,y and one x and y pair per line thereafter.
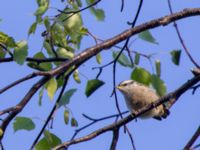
x,y
172,133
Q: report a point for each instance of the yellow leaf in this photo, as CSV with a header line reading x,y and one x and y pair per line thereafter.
x,y
51,88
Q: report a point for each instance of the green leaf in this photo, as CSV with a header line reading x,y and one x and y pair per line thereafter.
x,y
65,99
147,36
76,76
42,145
1,132
66,116
48,48
23,123
92,86
74,22
74,122
62,52
122,60
47,23
7,40
20,52
99,58
48,142
137,58
32,28
176,55
2,53
51,88
41,92
141,75
158,85
41,66
98,13
158,67
42,9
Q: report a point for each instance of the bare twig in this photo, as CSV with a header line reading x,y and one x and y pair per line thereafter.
x,y
22,103
122,6
30,76
54,107
77,11
94,121
37,60
181,39
193,139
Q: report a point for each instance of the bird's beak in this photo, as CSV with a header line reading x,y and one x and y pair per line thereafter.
x,y
119,87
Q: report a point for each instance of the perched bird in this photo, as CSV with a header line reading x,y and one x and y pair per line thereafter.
x,y
138,96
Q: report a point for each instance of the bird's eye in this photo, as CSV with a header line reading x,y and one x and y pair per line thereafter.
x,y
125,84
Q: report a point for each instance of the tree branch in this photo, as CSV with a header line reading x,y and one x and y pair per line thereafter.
x,y
176,94
92,51
22,103
114,139
192,140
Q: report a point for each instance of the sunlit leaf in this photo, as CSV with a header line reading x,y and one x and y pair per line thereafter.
x,y
66,116
176,55
158,85
23,123
51,88
32,28
66,97
41,92
147,36
74,122
158,67
62,52
47,23
141,75
7,40
42,9
123,60
20,52
1,132
76,76
99,58
137,58
92,86
48,48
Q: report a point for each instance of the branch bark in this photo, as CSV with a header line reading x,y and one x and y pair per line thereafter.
x,y
176,94
92,51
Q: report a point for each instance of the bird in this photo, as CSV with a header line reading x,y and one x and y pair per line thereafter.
x,y
138,95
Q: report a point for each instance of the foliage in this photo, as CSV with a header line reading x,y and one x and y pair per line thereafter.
x,y
62,37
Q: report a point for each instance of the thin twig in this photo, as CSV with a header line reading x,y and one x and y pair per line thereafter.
x,y
193,139
36,60
19,107
181,39
177,93
94,121
54,107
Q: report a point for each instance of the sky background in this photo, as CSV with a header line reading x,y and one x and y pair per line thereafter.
x,y
172,133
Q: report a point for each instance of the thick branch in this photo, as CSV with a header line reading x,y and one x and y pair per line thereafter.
x,y
114,139
92,51
176,94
